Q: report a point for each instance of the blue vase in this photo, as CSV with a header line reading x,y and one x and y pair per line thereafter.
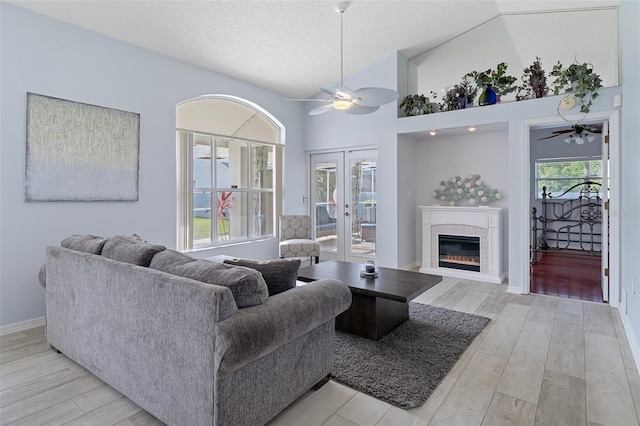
x,y
488,96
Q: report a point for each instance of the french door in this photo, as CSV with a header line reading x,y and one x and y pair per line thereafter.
x,y
344,203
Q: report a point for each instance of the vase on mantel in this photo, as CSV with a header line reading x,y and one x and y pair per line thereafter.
x,y
488,96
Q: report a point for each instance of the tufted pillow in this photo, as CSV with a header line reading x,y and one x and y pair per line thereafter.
x,y
85,243
279,274
130,250
246,285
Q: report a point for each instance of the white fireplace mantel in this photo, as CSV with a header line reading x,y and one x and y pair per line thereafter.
x,y
482,222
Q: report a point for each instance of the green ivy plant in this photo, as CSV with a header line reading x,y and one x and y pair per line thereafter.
x,y
578,80
416,105
500,81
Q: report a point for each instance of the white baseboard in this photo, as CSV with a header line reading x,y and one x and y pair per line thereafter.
x,y
631,338
22,325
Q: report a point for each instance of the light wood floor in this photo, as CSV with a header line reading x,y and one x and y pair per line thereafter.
x,y
541,360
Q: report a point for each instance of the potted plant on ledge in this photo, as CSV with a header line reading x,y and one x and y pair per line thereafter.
x,y
459,96
418,104
494,83
578,80
534,82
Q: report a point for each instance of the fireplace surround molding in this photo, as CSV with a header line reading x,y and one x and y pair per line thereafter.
x,y
482,222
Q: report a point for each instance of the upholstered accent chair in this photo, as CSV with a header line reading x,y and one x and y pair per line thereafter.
x,y
296,238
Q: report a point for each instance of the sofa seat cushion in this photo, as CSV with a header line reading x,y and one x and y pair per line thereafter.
x,y
279,274
246,285
85,243
130,250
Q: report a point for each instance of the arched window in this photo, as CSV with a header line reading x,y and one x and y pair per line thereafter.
x,y
229,172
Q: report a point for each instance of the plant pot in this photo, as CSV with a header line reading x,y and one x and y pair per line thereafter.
x,y
488,96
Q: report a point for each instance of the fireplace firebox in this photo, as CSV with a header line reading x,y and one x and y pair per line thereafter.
x,y
459,252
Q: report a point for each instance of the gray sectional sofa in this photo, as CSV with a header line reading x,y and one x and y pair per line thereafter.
x,y
135,316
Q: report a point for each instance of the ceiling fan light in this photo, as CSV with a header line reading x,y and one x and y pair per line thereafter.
x,y
568,139
341,104
590,138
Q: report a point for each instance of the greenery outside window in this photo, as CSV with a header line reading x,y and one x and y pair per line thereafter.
x,y
560,174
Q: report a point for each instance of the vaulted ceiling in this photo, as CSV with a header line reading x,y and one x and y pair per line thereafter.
x,y
291,47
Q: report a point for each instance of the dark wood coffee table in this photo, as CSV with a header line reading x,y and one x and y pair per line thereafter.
x,y
379,304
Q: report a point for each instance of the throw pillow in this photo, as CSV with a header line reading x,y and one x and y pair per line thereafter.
x,y
279,274
167,260
130,250
85,243
246,285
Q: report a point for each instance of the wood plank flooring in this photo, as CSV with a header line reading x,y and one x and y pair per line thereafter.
x,y
567,275
540,361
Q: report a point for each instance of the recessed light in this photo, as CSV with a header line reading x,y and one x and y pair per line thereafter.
x,y
472,128
433,132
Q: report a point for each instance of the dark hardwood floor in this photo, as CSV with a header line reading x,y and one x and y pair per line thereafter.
x,y
567,275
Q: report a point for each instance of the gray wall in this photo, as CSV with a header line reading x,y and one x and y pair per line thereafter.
x,y
630,154
46,56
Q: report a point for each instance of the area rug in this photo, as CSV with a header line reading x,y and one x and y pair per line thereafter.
x,y
405,366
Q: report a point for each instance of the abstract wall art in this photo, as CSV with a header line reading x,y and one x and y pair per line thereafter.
x,y
80,152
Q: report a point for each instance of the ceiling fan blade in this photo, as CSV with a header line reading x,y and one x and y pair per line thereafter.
x,y
356,109
557,133
310,100
321,110
375,96
334,89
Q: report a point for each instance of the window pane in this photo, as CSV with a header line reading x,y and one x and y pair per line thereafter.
x,y
232,216
363,196
326,208
262,214
201,162
262,166
560,176
232,162
201,217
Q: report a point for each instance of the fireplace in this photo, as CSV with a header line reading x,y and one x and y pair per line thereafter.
x,y
459,252
472,246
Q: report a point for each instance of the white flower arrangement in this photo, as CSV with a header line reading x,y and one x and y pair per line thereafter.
x,y
468,191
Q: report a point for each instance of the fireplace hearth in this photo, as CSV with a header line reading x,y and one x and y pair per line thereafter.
x,y
459,252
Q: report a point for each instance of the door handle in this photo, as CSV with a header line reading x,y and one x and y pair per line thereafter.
x,y
346,213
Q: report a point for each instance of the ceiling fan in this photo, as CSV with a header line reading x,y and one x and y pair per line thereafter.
x,y
579,133
358,102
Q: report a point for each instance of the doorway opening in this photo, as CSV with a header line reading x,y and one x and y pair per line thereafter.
x,y
569,222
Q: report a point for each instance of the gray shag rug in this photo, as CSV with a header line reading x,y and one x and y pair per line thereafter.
x,y
404,367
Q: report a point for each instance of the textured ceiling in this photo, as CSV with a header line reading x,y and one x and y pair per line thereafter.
x,y
291,47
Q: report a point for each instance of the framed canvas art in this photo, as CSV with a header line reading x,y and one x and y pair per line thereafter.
x,y
80,152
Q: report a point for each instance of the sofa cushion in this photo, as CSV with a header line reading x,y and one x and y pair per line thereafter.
x,y
130,250
85,243
246,285
279,274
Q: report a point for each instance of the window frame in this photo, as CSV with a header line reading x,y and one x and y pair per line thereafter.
x,y
186,190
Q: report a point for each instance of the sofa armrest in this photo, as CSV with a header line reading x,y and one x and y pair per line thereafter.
x,y
259,330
